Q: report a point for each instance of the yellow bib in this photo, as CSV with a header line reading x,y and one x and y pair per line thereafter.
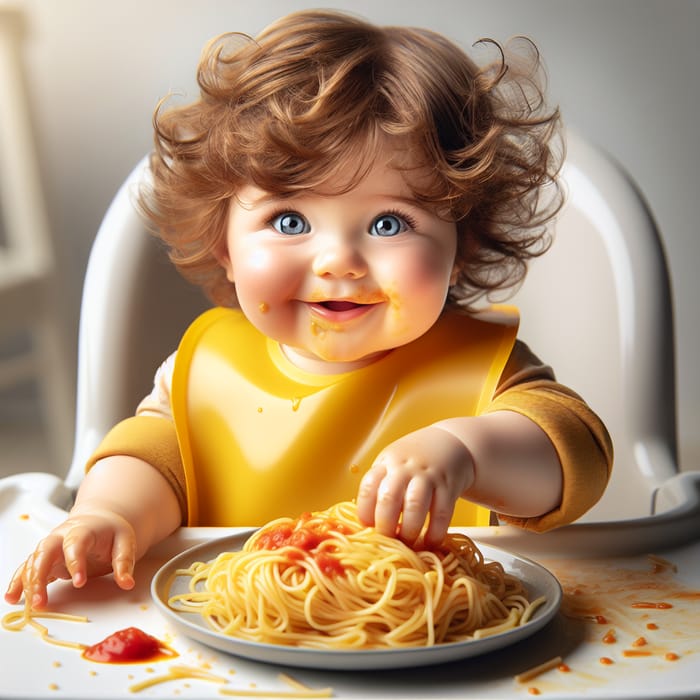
x,y
261,439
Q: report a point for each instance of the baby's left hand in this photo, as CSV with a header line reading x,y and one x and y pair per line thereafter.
x,y
420,474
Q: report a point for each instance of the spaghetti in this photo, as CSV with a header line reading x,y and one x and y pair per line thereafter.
x,y
18,619
325,581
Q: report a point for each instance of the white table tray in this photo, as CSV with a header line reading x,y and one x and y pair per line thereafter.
x,y
593,585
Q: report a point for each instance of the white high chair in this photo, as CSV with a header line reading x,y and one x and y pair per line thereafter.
x,y
597,307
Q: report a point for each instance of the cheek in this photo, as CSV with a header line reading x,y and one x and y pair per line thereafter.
x,y
252,268
250,258
260,260
263,276
426,271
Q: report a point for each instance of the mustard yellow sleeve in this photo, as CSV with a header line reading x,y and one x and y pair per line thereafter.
x,y
152,439
579,437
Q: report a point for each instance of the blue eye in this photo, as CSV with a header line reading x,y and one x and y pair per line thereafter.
x,y
290,223
387,225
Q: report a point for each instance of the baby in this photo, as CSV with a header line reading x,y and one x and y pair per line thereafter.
x,y
346,195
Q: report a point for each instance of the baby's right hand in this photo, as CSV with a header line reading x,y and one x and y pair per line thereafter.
x,y
89,543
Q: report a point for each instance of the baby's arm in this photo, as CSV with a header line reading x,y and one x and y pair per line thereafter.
x,y
501,460
122,508
483,459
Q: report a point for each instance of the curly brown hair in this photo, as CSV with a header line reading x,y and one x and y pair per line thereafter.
x,y
315,94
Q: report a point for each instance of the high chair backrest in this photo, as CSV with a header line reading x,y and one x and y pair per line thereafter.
x,y
134,309
596,307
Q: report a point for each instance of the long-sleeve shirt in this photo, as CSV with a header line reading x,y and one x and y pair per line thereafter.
x,y
527,386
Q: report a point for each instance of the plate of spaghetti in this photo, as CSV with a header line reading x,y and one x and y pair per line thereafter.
x,y
324,591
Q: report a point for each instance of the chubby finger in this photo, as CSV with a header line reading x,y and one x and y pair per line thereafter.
x,y
389,505
34,583
78,543
367,493
441,510
14,591
416,504
124,560
43,566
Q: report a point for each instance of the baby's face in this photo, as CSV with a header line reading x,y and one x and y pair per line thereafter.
x,y
339,280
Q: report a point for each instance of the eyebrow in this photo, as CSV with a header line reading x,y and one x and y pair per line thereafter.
x,y
269,198
264,198
412,201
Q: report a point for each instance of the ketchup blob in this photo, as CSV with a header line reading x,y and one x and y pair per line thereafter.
x,y
130,645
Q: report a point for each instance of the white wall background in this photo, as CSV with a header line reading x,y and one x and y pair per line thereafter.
x,y
625,73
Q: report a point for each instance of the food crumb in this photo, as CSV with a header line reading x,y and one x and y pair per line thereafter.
x,y
564,668
606,661
53,686
671,656
533,691
56,664
24,516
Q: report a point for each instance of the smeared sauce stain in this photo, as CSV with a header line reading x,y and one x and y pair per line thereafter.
x,y
647,611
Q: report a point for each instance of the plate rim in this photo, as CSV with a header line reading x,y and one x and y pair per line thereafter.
x,y
345,659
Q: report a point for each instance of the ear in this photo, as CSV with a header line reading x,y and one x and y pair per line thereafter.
x,y
224,259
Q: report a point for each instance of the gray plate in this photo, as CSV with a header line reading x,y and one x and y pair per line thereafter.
x,y
537,579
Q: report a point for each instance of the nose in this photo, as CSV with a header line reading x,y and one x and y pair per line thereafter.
x,y
339,258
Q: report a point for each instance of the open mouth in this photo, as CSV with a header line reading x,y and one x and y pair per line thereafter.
x,y
340,309
339,305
